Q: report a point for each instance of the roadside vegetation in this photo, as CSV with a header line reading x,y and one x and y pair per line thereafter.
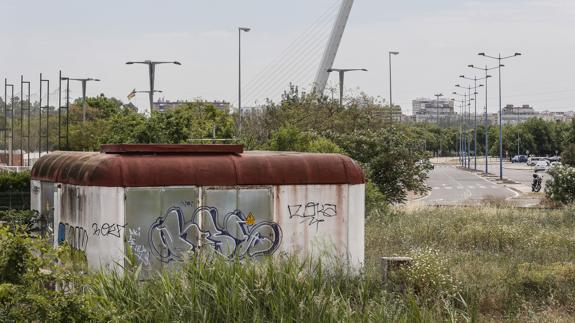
x,y
486,264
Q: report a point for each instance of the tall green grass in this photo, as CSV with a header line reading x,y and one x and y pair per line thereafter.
x,y
511,263
280,290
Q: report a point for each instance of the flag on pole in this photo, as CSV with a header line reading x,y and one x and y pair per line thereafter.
x,y
132,94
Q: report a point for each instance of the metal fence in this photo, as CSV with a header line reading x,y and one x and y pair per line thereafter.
x,y
14,200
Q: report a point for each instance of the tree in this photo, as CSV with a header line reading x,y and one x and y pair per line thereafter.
x,y
393,161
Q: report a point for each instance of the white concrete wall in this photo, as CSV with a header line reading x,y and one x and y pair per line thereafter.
x,y
322,220
91,219
315,220
35,196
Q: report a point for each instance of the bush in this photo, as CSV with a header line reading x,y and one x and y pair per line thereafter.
x,y
15,182
561,189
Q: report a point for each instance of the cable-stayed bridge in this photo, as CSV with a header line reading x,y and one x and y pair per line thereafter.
x,y
305,62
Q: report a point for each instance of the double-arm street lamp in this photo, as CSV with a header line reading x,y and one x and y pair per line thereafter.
x,y
390,96
342,72
499,58
240,30
475,86
152,73
84,81
486,121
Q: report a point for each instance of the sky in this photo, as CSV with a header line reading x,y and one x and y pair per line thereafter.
x,y
436,40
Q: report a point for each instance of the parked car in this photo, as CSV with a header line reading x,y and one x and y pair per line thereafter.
x,y
519,159
541,165
554,159
531,161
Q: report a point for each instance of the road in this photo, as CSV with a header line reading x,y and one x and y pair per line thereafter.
x,y
523,176
452,186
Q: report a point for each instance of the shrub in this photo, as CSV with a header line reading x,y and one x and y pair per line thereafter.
x,y
561,189
15,182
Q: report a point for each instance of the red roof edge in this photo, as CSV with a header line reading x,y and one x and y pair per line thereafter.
x,y
170,149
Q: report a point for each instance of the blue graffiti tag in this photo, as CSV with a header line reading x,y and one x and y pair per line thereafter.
x,y
171,237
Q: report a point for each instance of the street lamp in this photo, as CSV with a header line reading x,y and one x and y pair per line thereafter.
x,y
475,86
240,30
84,81
22,82
462,129
390,96
499,59
486,122
468,88
152,73
341,72
437,96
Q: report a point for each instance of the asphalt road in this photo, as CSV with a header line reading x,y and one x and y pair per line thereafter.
x,y
452,186
523,176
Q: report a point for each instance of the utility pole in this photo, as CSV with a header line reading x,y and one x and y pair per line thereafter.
x,y
390,96
240,30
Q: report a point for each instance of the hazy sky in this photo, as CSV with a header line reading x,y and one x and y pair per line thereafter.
x,y
437,40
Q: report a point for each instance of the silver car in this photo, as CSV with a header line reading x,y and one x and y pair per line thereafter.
x,y
541,165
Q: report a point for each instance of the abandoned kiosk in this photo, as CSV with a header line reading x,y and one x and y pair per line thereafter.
x,y
166,201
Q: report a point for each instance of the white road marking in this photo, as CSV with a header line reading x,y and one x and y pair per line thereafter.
x,y
437,188
482,187
448,188
471,187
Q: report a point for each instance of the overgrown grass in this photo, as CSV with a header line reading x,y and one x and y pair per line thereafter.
x,y
469,264
516,264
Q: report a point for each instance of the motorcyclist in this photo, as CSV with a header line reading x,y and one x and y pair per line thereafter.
x,y
536,185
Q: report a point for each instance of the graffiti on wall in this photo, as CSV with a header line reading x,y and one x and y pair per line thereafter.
x,y
232,235
107,229
313,212
140,252
75,236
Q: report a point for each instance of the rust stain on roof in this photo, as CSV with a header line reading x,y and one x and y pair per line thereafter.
x,y
149,168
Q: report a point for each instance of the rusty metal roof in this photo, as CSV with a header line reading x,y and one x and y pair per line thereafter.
x,y
148,169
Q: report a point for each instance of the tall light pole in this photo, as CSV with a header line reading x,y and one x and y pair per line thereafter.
x,y
486,121
437,96
463,127
390,96
84,82
22,82
240,30
152,73
342,72
499,59
475,86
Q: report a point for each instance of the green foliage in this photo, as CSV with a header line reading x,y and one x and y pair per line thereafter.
x,y
568,155
24,219
289,138
561,188
15,182
393,160
509,264
30,270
